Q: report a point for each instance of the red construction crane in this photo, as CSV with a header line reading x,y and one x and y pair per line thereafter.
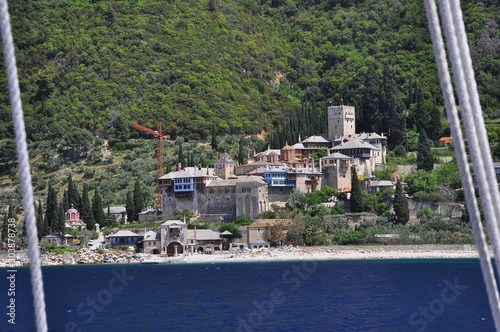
x,y
159,156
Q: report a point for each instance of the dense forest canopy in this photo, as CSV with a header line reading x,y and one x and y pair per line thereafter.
x,y
206,67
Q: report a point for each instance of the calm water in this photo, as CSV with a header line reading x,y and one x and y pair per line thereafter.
x,y
379,295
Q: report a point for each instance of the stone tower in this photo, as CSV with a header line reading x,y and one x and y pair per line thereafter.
x,y
341,121
224,167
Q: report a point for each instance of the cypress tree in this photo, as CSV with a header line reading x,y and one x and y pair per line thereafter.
x,y
435,127
129,206
138,200
215,140
39,220
52,209
400,205
97,207
180,154
86,212
394,106
60,226
66,201
425,159
5,227
421,113
241,152
71,198
356,198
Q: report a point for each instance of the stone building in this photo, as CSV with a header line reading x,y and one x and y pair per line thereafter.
x,y
362,154
338,170
204,241
341,121
224,167
212,198
152,243
173,237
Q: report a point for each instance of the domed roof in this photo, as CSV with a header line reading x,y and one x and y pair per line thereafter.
x,y
72,210
287,147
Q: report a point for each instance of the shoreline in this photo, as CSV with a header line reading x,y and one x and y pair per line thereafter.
x,y
88,257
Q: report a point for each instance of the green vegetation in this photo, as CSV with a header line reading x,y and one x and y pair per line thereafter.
x,y
212,67
61,251
439,185
233,228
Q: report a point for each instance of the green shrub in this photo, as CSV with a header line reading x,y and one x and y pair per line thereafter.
x,y
240,220
352,237
233,228
337,210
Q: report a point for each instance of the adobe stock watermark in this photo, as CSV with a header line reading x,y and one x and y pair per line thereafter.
x,y
102,298
11,272
264,308
421,318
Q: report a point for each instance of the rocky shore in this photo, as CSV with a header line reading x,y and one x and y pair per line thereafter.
x,y
86,256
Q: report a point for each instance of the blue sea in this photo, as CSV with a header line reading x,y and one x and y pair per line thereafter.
x,y
357,295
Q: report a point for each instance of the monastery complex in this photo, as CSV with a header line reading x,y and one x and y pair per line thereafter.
x,y
229,190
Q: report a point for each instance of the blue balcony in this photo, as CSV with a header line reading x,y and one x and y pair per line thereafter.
x,y
360,156
183,185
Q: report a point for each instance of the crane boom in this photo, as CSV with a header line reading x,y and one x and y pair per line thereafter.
x,y
159,154
152,132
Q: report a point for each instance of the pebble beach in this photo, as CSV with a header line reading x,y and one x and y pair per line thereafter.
x,y
86,256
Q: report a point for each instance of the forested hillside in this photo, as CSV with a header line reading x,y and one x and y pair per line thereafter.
x,y
206,67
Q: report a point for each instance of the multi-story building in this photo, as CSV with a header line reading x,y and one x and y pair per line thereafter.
x,y
341,121
211,197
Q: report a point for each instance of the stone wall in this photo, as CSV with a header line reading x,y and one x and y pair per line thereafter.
x,y
451,210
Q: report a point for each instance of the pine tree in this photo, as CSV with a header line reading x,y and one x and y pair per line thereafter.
x,y
52,209
129,206
400,205
356,198
86,213
139,204
425,159
97,208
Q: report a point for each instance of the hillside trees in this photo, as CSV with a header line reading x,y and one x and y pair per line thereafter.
x,y
233,70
